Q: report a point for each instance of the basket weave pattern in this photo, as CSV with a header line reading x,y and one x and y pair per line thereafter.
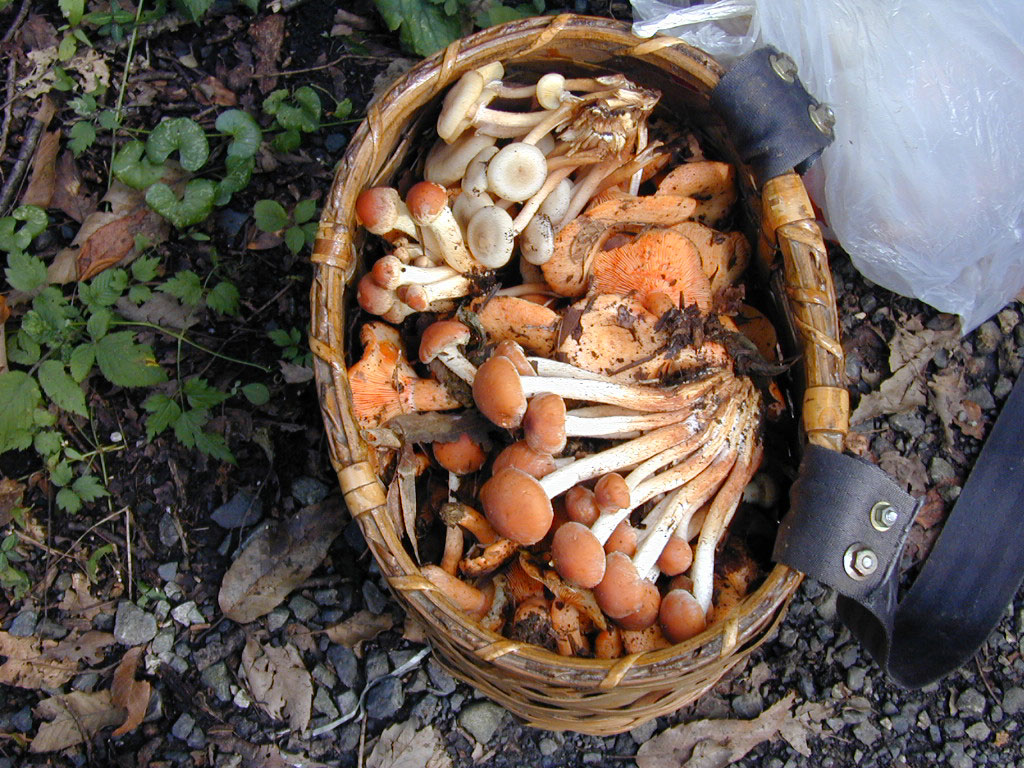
x,y
550,691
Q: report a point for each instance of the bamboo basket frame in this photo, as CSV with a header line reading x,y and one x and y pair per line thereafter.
x,y
549,691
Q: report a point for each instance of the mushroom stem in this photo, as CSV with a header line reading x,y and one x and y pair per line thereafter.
x,y
454,542
389,272
586,189
526,213
472,601
421,296
428,206
456,513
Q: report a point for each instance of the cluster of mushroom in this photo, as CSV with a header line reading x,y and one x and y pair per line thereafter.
x,y
582,399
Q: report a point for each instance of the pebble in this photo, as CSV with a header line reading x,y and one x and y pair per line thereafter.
x,y
241,511
855,678
986,338
326,596
346,665
132,625
642,733
322,703
826,606
347,702
309,490
953,727
376,665
188,614
183,726
167,571
908,422
1013,701
217,678
163,642
979,731
425,710
385,699
442,682
374,597
940,470
982,396
50,629
277,619
303,609
85,681
168,531
1002,387
481,719
173,591
21,721
748,705
24,624
547,747
971,703
322,674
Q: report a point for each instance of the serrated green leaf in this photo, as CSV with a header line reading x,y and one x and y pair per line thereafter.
x,y
131,167
89,488
163,411
137,294
99,323
47,443
214,445
23,349
108,120
60,473
189,425
82,358
304,211
25,272
43,418
246,134
201,395
194,10
184,285
105,289
423,28
192,208
20,396
256,393
64,391
280,337
179,134
270,215
127,364
295,239
72,10
83,134
69,501
84,104
145,268
344,109
238,174
223,298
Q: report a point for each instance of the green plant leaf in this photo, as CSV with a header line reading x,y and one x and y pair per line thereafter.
x,y
179,134
131,167
83,134
83,104
99,323
193,208
127,364
89,488
67,47
163,411
184,285
18,238
304,211
256,393
214,445
82,358
108,120
200,394
280,337
72,10
344,109
189,425
236,178
270,215
295,239
287,141
193,10
62,81
104,289
63,390
223,298
60,473
69,501
21,396
301,112
47,442
92,565
145,268
245,132
23,349
25,272
137,294
423,27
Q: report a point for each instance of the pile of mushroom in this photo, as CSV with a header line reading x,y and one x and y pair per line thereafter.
x,y
571,301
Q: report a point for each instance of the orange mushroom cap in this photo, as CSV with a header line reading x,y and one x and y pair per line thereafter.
x,y
522,456
460,456
611,492
544,423
517,506
681,616
621,591
426,200
498,392
647,614
623,539
676,557
581,506
441,335
578,555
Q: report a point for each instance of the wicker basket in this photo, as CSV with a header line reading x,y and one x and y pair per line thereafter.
x,y
547,690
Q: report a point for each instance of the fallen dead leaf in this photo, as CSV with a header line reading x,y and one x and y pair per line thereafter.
x,y
160,309
947,390
210,90
36,663
279,682
264,756
909,470
295,374
11,491
73,718
128,693
279,559
267,35
404,746
932,512
79,600
718,743
69,193
970,420
44,171
37,33
414,631
300,636
362,626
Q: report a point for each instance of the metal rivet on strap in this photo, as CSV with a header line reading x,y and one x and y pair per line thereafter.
x,y
860,562
883,516
784,66
823,117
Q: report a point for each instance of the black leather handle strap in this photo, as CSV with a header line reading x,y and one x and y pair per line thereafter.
x,y
973,572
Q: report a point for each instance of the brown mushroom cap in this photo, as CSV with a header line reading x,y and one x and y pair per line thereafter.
x,y
498,393
544,423
581,506
460,456
425,201
647,614
521,456
676,557
578,555
514,352
441,335
611,492
681,616
623,539
378,208
372,297
517,506
621,591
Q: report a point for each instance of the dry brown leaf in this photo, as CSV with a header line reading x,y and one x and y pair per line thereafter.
x,y
932,512
37,32
279,682
160,309
264,756
970,420
947,390
718,743
909,470
362,626
11,491
295,374
44,171
88,63
69,193
128,693
278,559
300,636
404,746
73,718
210,90
267,35
79,600
35,663
414,631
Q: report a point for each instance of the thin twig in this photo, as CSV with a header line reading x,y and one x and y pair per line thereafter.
x,y
12,70
16,25
28,149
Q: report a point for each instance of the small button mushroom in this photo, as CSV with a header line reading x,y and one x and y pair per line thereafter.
x,y
611,492
577,555
517,171
537,242
514,352
531,622
490,237
580,505
381,210
544,424
498,393
681,616
517,506
472,601
425,296
676,557
623,539
428,207
446,164
441,340
457,103
391,272
461,456
522,456
644,640
647,614
621,591
373,297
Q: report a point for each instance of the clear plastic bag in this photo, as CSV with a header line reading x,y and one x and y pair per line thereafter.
x,y
924,185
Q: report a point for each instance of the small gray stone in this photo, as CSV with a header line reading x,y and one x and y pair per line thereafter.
x,y
1013,701
909,422
188,614
217,678
375,599
547,747
324,676
85,681
442,682
593,758
168,530
167,571
173,591
21,721
183,726
901,723
161,609
867,733
50,629
347,702
345,664
241,511
326,596
24,624
826,606
971,703
986,338
376,666
1002,387
385,699
322,703
132,625
979,731
426,708
196,739
303,609
163,642
748,705
953,727
855,678
277,618
642,733
982,396
481,719
309,490
940,470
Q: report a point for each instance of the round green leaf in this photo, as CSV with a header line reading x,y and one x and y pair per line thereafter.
x,y
304,211
183,135
244,130
34,217
131,168
295,239
270,215
256,393
193,208
239,172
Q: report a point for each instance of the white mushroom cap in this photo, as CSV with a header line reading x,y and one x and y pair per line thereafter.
x,y
467,204
550,89
474,180
490,237
556,204
517,171
457,103
446,163
537,242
